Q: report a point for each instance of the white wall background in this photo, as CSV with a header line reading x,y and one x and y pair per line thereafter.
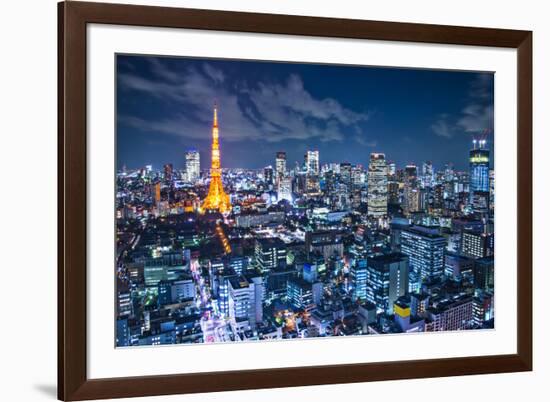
x,y
28,196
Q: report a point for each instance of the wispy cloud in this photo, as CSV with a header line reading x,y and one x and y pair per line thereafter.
x,y
265,111
443,127
476,116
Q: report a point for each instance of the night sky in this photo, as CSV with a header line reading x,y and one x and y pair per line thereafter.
x,y
164,107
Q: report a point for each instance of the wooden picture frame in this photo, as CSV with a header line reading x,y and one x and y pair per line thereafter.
x,y
73,17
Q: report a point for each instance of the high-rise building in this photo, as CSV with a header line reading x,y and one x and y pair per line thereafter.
x,y
411,173
216,199
387,280
345,174
484,273
452,315
358,273
476,244
427,174
284,192
268,176
192,165
425,249
270,253
168,172
302,294
392,169
377,177
479,168
245,299
280,166
312,162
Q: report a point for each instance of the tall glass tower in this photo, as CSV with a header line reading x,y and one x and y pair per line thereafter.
x,y
479,168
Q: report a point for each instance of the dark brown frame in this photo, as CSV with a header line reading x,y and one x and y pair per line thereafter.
x,y
73,383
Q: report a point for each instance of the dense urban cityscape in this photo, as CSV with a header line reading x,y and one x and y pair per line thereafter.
x,y
303,249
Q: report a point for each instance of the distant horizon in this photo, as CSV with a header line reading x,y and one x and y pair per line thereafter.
x,y
164,109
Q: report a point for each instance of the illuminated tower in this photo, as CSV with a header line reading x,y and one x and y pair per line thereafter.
x,y
216,199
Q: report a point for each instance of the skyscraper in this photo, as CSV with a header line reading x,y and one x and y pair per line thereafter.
x,y
216,199
192,165
358,273
268,176
387,279
427,174
479,168
168,172
377,178
426,251
280,166
312,162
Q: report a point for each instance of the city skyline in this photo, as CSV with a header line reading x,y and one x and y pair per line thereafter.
x,y
164,104
305,250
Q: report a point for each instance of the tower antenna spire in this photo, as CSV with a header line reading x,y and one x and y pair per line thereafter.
x,y
217,199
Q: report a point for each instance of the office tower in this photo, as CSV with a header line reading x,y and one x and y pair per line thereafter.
x,y
238,264
427,174
412,199
183,289
387,280
377,177
392,169
302,294
280,166
451,315
411,173
168,172
268,177
312,162
393,192
285,189
270,253
124,303
484,273
327,243
459,267
476,244
245,299
425,249
164,293
357,177
345,174
358,273
216,199
479,168
192,165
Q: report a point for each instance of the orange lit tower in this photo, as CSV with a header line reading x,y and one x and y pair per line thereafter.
x,y
216,199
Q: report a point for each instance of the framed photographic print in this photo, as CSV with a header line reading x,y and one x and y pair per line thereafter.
x,y
252,200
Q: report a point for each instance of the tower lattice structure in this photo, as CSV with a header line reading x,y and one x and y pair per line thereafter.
x,y
216,199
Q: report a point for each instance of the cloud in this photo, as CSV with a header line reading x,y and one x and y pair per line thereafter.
x,y
476,116
265,111
361,140
442,127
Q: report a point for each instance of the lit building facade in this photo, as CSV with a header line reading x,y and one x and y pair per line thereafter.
x,y
192,165
377,177
426,251
387,280
479,168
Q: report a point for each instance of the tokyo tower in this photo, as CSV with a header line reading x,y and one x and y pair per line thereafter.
x,y
216,199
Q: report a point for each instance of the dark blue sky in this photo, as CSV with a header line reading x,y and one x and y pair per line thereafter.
x,y
164,107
